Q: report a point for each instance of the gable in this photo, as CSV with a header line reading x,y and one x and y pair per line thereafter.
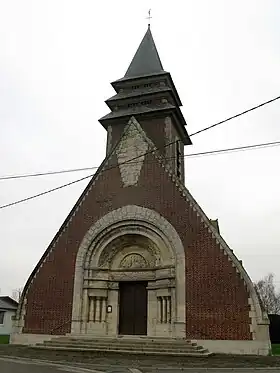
x,y
122,168
134,173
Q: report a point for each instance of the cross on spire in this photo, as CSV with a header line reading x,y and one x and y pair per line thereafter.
x,y
149,17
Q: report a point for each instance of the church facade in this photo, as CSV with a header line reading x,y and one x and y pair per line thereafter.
x,y
137,255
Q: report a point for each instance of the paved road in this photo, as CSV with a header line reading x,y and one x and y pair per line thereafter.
x,y
21,365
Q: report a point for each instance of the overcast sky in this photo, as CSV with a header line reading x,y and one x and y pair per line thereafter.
x,y
57,59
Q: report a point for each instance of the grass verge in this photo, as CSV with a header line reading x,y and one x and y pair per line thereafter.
x,y
4,339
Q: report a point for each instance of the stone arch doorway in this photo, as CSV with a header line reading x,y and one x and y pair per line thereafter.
x,y
127,280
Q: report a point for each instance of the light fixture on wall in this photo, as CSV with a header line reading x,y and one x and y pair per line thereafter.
x,y
109,309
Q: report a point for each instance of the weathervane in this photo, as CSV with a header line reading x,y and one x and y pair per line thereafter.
x,y
149,17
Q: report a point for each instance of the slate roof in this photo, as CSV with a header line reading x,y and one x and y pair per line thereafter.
x,y
146,60
139,92
7,303
136,110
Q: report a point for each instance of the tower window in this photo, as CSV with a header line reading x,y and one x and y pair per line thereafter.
x,y
146,102
133,104
143,103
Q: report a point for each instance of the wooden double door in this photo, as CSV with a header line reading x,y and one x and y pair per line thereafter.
x,y
133,308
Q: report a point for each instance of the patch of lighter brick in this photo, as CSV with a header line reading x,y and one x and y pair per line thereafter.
x,y
131,153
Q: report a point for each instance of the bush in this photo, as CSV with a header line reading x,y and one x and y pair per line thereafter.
x,y
275,349
274,328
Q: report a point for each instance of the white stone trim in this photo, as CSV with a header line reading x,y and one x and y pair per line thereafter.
x,y
127,226
168,140
145,220
236,347
133,145
109,140
30,339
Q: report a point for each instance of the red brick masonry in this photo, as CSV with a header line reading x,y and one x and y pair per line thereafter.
x,y
216,298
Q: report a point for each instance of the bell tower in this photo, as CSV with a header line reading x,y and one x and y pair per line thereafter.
x,y
148,93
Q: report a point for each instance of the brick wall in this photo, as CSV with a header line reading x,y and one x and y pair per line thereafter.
x,y
217,300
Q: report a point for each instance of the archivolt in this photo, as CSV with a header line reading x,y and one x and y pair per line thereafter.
x,y
159,236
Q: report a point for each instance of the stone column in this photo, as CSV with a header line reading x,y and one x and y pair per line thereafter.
x,y
164,310
113,318
97,309
159,309
152,311
85,311
168,306
91,309
103,309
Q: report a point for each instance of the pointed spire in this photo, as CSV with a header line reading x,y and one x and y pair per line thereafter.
x,y
146,60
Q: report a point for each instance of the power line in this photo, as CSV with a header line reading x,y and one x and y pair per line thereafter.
x,y
236,149
77,181
218,151
236,115
78,169
23,176
211,152
92,168
45,192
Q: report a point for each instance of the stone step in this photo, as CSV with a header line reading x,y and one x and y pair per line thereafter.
x,y
144,341
123,351
140,338
123,344
126,346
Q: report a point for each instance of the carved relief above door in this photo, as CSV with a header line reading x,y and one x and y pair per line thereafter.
x,y
134,261
130,251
